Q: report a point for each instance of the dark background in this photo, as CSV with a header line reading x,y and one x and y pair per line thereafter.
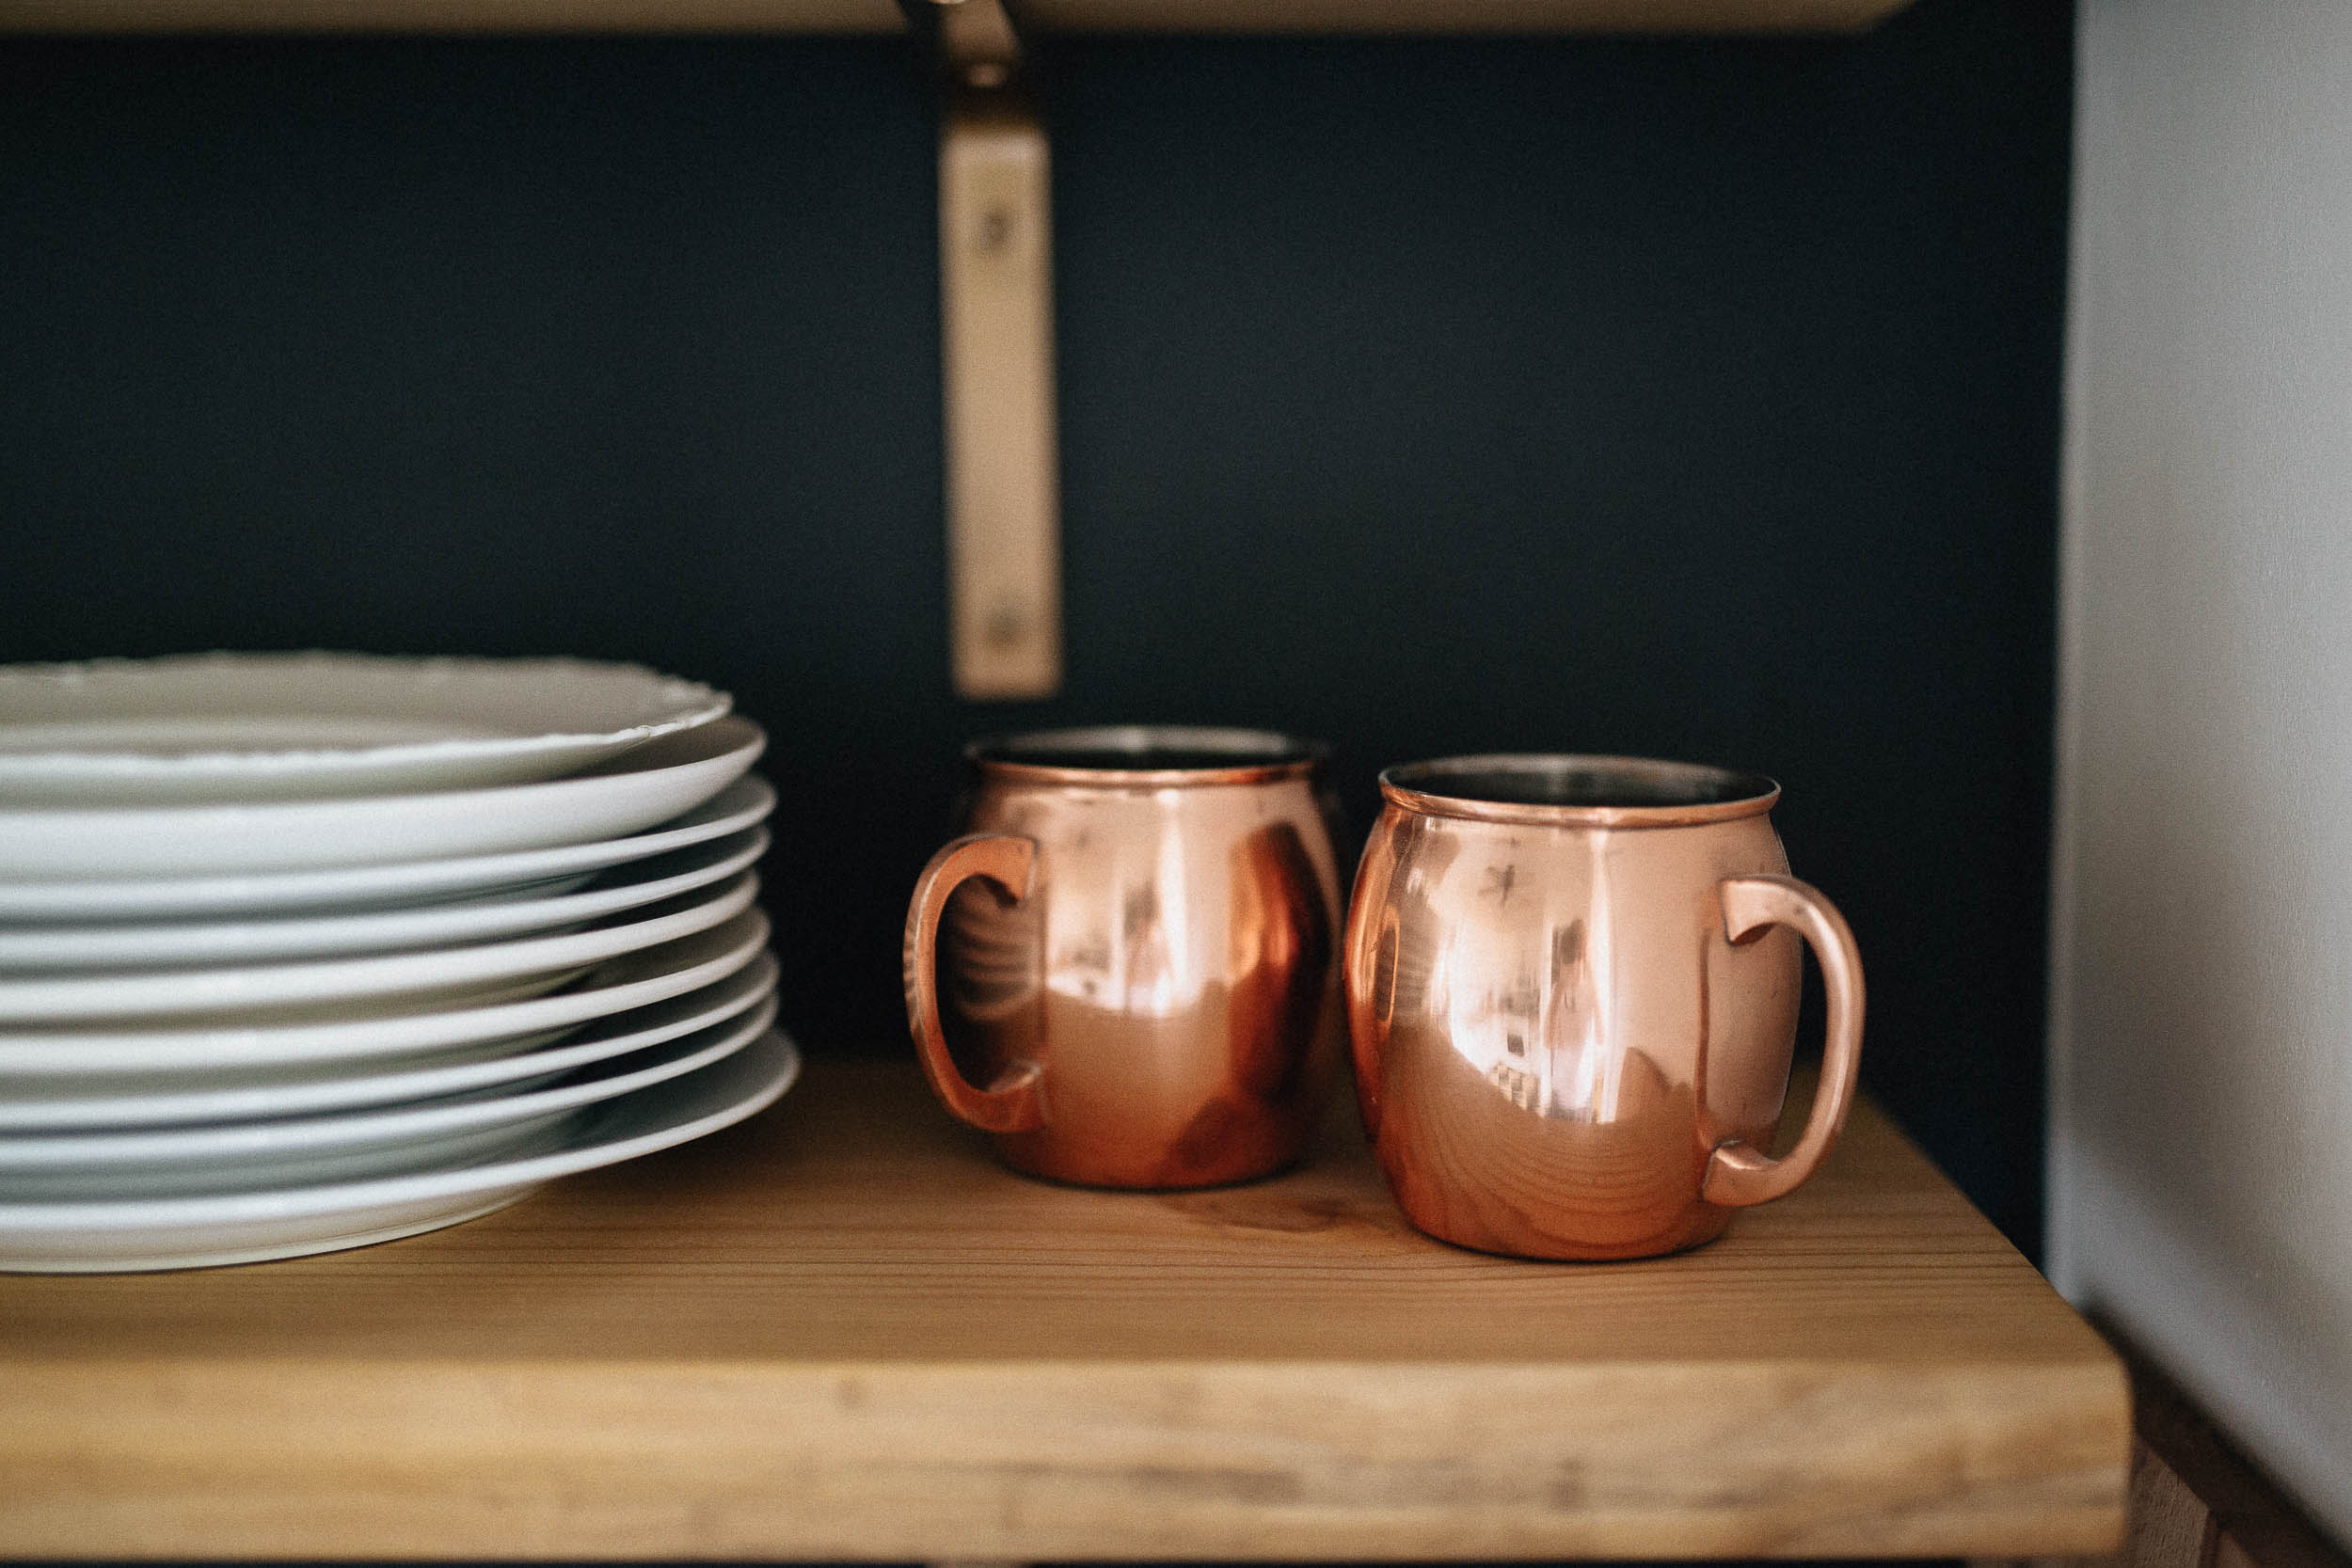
x,y
1694,398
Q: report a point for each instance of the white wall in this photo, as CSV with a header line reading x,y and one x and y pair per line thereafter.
x,y
2202,1083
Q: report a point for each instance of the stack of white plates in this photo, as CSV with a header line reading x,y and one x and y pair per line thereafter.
x,y
300,952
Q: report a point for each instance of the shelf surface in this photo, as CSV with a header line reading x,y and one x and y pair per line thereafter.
x,y
840,1332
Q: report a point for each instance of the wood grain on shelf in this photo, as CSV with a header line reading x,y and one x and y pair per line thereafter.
x,y
851,17
839,1332
2196,1502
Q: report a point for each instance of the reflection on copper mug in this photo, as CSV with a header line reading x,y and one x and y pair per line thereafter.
x,y
1139,976
1572,988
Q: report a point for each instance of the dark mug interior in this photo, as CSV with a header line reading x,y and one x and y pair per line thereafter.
x,y
1146,749
1571,784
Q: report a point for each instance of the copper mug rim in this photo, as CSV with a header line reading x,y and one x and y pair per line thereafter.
x,y
1576,791
1076,757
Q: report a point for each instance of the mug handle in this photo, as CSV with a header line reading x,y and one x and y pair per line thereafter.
x,y
1016,1102
1738,1175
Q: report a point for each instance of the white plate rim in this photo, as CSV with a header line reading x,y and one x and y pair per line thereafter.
x,y
702,1008
301,1136
302,1202
743,803
676,702
736,940
120,947
121,994
642,787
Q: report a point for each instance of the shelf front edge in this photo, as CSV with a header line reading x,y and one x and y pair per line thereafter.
x,y
1023,1461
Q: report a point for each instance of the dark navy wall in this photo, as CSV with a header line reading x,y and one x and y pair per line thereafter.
x,y
1691,398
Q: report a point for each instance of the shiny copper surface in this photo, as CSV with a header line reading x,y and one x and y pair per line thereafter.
x,y
1572,988
1139,980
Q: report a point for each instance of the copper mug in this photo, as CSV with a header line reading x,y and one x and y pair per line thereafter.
x,y
1572,987
1139,973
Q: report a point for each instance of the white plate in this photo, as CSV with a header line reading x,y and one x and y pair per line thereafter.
x,y
346,1147
467,1146
359,1034
83,1102
239,1227
380,931
451,975
275,726
741,804
650,784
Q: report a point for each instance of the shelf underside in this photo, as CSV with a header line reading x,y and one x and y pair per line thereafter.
x,y
854,17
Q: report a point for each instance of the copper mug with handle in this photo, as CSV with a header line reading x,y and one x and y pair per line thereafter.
x,y
1572,987
1127,968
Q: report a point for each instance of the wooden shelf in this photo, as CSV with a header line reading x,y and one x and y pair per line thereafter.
x,y
840,1332
853,17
